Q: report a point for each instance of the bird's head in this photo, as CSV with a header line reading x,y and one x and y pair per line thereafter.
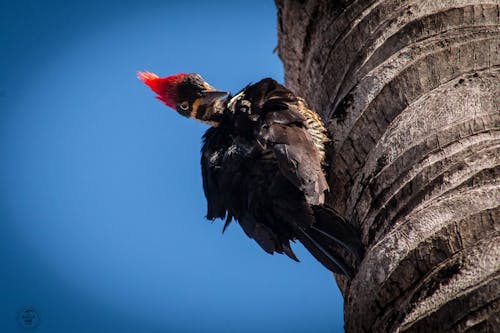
x,y
188,94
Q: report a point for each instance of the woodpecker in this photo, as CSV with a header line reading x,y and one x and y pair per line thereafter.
x,y
262,163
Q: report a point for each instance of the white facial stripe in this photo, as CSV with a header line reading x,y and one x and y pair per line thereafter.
x,y
235,99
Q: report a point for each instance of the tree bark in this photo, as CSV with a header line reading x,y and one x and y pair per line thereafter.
x,y
411,94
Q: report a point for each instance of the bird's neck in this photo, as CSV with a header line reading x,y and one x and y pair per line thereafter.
x,y
212,114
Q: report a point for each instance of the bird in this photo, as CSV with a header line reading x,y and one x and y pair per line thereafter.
x,y
263,161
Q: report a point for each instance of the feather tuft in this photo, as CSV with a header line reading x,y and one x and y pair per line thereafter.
x,y
165,88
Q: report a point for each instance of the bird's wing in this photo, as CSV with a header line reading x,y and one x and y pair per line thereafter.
x,y
284,130
212,153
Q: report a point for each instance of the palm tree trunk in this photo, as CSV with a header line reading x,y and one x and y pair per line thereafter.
x,y
411,92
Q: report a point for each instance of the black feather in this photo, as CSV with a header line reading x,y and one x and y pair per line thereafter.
x,y
260,166
324,255
332,225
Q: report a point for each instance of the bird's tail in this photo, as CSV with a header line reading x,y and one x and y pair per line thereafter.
x,y
329,229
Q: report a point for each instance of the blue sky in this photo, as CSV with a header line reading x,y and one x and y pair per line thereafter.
x,y
102,223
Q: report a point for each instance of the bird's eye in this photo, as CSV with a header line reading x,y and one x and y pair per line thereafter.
x,y
184,105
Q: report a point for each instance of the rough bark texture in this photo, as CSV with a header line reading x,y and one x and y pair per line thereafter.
x,y
411,92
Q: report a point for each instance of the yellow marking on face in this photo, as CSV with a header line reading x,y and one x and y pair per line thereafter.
x,y
194,109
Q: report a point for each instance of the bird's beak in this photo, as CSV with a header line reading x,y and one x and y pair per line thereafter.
x,y
210,96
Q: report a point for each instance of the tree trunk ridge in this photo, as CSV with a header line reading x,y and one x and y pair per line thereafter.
x,y
411,93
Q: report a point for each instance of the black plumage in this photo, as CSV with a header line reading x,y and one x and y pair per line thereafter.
x,y
262,165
